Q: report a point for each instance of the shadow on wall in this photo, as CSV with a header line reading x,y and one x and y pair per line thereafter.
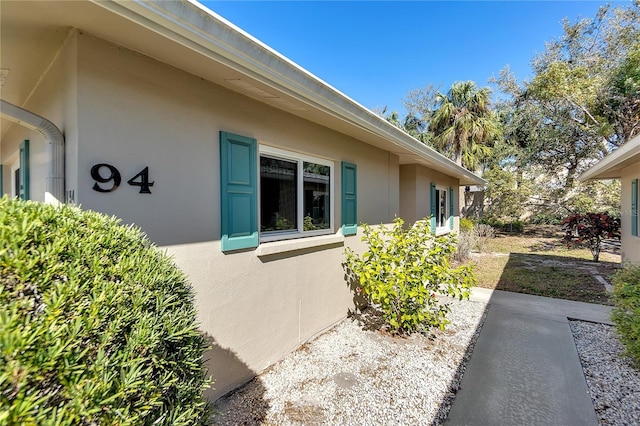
x,y
359,300
229,372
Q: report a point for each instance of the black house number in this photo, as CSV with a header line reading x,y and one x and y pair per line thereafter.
x,y
108,179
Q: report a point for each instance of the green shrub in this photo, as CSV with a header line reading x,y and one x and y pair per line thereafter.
x,y
517,226
546,219
514,226
97,325
626,315
466,225
403,270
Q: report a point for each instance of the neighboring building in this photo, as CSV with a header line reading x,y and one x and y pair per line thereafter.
x,y
249,170
624,164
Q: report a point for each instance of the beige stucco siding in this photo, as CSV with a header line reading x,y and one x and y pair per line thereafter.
x,y
54,99
630,249
121,108
415,192
135,112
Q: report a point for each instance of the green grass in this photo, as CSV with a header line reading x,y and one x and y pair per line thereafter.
x,y
537,262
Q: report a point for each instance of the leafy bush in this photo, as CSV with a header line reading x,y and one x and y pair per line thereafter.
x,y
466,225
626,315
591,228
403,270
97,325
546,219
516,226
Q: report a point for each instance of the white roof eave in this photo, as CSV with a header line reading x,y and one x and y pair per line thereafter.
x,y
609,167
196,27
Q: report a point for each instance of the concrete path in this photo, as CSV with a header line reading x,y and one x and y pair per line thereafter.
x,y
524,369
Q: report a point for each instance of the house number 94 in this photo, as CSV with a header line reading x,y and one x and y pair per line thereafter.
x,y
108,179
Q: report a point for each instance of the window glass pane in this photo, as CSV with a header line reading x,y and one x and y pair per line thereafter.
x,y
441,208
16,186
278,199
316,196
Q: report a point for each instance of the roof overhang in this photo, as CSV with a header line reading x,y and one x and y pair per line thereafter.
x,y
610,167
188,36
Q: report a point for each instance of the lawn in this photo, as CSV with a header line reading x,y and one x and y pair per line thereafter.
x,y
537,262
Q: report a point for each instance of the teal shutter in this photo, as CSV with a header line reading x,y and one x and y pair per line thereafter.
x,y
433,208
238,189
634,207
349,199
451,207
24,170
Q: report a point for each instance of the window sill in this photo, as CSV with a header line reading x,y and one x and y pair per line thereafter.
x,y
277,247
443,231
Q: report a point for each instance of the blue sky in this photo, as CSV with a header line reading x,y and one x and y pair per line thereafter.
x,y
377,51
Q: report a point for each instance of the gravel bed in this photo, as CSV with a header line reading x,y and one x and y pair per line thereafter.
x,y
614,385
352,375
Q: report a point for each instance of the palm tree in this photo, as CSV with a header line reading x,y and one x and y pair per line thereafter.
x,y
411,124
463,125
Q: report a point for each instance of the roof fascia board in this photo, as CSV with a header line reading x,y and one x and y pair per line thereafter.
x,y
602,169
196,27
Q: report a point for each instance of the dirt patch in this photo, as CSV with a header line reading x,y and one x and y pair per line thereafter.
x,y
304,413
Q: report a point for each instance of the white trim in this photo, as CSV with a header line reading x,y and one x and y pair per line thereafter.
x,y
276,247
278,153
444,229
199,29
606,168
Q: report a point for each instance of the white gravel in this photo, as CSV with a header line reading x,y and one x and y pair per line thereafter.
x,y
351,376
614,385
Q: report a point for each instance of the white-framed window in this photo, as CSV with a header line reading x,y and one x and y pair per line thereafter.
x,y
442,209
296,195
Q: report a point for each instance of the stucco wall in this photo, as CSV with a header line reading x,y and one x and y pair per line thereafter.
x,y
415,192
135,112
54,99
630,249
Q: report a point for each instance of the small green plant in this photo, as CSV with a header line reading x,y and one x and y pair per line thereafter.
x,y
545,219
591,229
308,224
466,225
403,270
97,326
626,315
512,226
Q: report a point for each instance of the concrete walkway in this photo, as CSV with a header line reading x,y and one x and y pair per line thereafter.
x,y
524,369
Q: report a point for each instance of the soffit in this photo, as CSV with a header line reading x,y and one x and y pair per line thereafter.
x,y
33,32
611,166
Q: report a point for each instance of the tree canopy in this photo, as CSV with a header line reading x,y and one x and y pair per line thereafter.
x,y
459,123
582,102
584,99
